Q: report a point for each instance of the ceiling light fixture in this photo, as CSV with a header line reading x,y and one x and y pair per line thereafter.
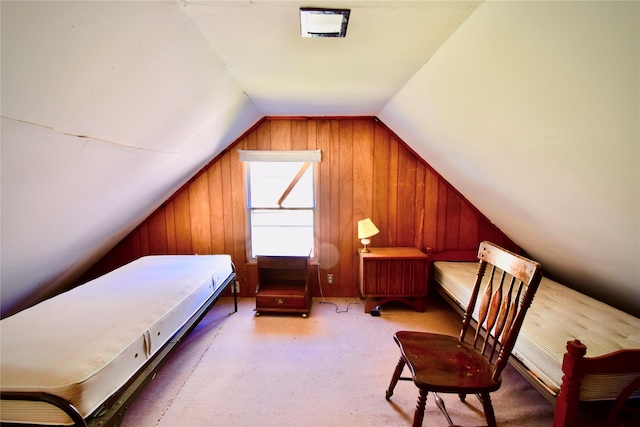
x,y
317,22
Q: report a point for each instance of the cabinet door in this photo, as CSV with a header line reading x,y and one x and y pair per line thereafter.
x,y
394,277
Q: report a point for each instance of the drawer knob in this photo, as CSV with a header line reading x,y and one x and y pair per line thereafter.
x,y
279,301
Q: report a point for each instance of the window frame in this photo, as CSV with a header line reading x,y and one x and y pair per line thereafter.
x,y
302,156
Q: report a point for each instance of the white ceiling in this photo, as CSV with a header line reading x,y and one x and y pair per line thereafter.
x,y
530,109
285,74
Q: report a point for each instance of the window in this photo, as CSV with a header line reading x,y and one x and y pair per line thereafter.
x,y
281,201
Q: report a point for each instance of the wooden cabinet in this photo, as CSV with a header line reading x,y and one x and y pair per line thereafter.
x,y
283,285
393,274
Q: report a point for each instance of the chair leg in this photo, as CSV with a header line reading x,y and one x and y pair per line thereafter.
x,y
485,399
418,416
442,407
395,378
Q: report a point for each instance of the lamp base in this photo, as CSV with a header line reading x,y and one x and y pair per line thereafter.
x,y
365,242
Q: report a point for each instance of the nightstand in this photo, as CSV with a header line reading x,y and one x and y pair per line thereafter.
x,y
283,285
393,274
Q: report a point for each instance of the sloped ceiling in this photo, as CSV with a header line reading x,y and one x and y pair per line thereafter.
x,y
107,107
530,109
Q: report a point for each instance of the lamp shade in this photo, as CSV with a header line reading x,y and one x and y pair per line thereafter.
x,y
366,229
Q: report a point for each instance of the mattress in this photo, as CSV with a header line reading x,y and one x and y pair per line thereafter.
x,y
84,344
558,314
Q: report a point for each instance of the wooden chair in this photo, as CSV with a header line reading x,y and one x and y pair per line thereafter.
x,y
472,365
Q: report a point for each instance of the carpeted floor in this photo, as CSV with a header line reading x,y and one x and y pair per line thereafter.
x,y
331,369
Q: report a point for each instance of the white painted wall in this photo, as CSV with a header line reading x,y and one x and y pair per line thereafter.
x,y
107,108
531,110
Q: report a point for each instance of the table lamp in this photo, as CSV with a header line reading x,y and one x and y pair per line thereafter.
x,y
366,229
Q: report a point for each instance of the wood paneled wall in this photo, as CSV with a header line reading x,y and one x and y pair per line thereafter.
x,y
366,171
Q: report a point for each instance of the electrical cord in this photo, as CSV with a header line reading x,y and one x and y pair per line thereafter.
x,y
346,310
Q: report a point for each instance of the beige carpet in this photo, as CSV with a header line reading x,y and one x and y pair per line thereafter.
x,y
331,369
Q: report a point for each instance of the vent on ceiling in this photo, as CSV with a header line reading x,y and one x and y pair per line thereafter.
x,y
316,22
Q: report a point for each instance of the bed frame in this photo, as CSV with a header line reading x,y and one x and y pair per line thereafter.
x,y
575,365
111,412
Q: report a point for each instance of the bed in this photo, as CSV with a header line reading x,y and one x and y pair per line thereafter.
x,y
561,328
81,357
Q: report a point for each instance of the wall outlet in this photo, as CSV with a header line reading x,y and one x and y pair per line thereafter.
x,y
330,278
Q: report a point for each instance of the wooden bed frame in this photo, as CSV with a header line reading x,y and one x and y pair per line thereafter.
x,y
111,412
574,366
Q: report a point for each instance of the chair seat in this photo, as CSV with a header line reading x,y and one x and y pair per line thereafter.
x,y
442,363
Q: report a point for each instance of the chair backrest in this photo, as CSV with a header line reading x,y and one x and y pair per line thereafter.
x,y
504,287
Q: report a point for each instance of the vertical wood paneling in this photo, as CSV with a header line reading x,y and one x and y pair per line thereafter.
x,y
322,131
323,196
216,214
281,135
406,204
334,188
362,160
238,212
158,233
136,250
226,201
183,223
144,238
441,225
392,189
452,222
362,169
418,219
170,227
250,141
468,227
263,136
309,133
380,214
123,255
312,134
430,224
299,136
199,209
347,222
365,171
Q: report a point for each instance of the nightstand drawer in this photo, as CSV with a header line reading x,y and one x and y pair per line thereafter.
x,y
280,302
289,263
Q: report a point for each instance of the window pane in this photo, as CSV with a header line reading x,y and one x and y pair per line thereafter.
x,y
269,180
281,232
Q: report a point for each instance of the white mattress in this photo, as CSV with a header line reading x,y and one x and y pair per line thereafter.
x,y
83,345
558,314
